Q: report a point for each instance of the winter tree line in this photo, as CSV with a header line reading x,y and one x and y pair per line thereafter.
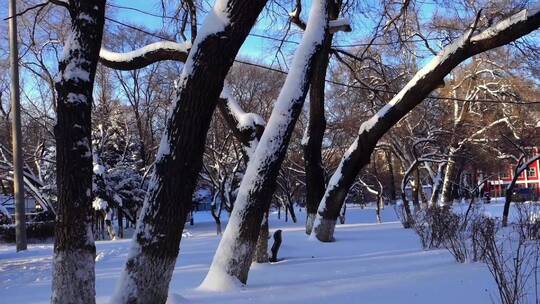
x,y
120,122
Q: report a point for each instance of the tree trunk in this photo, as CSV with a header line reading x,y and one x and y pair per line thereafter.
x,y
234,254
415,187
315,181
120,222
261,250
339,185
73,277
520,167
290,206
437,185
448,181
392,182
419,87
380,205
155,248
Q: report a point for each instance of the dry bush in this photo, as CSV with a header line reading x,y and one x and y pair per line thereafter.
x,y
457,232
528,217
512,256
433,225
406,222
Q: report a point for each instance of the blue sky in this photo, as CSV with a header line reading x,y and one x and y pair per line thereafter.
x,y
258,49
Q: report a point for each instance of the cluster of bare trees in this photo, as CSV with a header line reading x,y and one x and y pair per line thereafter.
x,y
124,106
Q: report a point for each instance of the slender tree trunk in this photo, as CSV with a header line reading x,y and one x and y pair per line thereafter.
x,y
437,185
156,242
415,187
520,167
108,223
142,138
73,278
392,181
120,222
448,181
290,206
380,205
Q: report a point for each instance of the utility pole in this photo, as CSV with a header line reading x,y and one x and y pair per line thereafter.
x,y
18,186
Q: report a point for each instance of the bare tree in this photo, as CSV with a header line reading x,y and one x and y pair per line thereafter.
x,y
423,83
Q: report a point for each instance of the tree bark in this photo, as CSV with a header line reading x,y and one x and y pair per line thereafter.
x,y
437,185
448,181
261,250
315,180
73,278
156,242
392,181
415,187
417,89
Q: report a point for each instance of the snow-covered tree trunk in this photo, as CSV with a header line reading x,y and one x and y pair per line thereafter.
x,y
437,185
417,89
315,179
234,255
448,180
73,278
155,246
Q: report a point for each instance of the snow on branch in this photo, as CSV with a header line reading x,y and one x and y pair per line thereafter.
x,y
431,76
482,131
246,127
149,54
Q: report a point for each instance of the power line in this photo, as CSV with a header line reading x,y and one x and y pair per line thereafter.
x,y
522,102
138,29
352,45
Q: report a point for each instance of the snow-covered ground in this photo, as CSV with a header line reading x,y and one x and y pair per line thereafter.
x,y
368,263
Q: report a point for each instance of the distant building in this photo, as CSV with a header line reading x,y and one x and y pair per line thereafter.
x,y
528,179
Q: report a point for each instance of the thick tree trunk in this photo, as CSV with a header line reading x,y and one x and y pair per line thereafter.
x,y
261,250
73,278
356,157
234,255
419,87
159,229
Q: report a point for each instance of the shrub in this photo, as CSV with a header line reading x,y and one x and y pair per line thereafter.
x,y
34,230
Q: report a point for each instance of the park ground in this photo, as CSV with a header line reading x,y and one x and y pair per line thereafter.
x,y
368,263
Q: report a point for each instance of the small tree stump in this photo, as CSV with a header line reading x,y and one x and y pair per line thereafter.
x,y
275,246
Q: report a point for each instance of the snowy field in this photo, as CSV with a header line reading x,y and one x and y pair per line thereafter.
x,y
369,263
